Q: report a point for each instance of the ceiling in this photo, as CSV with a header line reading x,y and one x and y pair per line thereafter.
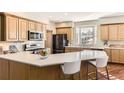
x,y
66,16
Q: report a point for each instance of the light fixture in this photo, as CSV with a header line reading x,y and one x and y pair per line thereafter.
x,y
65,14
50,16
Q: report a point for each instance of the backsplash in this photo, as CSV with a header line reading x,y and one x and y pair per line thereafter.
x,y
19,45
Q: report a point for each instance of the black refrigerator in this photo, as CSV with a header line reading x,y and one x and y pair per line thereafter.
x,y
59,43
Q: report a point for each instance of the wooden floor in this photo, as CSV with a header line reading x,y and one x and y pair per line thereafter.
x,y
116,72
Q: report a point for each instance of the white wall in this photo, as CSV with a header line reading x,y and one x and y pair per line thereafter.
x,y
91,23
109,20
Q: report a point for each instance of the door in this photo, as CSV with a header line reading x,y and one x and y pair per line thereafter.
x,y
113,32
121,32
23,30
65,30
32,26
11,28
49,40
104,32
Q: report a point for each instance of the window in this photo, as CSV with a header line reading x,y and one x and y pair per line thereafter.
x,y
85,35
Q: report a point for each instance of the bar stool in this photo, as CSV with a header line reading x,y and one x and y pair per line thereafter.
x,y
100,63
71,68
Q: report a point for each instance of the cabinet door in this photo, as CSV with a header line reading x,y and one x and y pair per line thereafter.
x,y
4,70
39,27
19,71
23,30
113,31
104,32
32,26
11,28
121,56
115,53
108,51
121,32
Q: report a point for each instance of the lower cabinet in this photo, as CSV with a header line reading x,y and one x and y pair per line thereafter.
x,y
19,71
4,70
115,55
121,56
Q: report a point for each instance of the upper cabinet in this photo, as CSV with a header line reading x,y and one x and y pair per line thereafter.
x,y
32,26
113,32
104,32
121,32
11,28
14,28
39,27
23,30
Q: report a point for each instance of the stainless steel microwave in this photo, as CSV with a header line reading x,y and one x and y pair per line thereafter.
x,y
35,36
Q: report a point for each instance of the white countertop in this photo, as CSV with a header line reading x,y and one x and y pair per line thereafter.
x,y
53,59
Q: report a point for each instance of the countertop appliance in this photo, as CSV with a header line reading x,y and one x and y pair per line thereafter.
x,y
13,49
59,43
35,36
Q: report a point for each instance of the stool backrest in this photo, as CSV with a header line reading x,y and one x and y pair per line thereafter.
x,y
72,67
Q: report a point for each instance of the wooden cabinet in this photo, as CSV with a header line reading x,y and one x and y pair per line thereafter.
x,y
113,32
115,55
65,30
108,51
11,28
32,26
19,71
121,32
39,27
104,32
14,28
121,56
4,70
23,30
72,49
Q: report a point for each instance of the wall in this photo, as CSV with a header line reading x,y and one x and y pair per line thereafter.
x,y
51,27
91,23
105,20
19,45
109,20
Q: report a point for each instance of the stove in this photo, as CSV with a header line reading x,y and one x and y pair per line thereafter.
x,y
34,47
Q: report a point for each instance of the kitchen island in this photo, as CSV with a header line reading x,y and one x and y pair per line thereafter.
x,y
26,66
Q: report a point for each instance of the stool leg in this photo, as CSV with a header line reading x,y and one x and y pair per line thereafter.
x,y
107,73
96,73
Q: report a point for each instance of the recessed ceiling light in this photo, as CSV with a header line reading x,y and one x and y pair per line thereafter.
x,y
50,16
65,14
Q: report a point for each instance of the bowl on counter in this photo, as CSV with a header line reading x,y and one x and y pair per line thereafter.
x,y
43,53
